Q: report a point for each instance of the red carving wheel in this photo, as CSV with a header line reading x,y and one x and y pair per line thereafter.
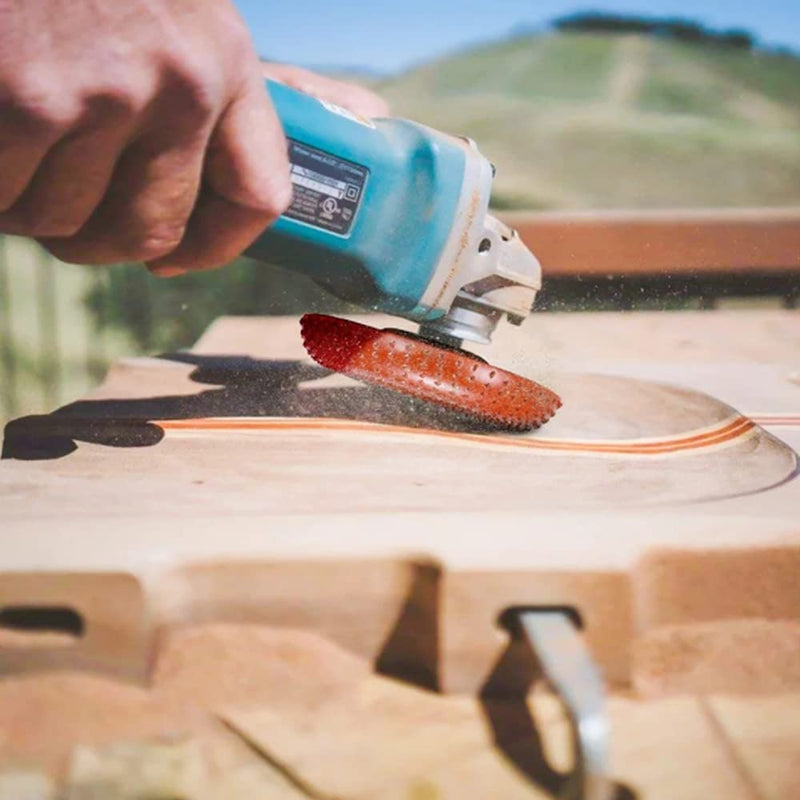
x,y
448,377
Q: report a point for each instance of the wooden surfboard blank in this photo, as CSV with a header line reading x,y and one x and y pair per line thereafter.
x,y
283,437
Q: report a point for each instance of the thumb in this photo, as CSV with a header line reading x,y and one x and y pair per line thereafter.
x,y
246,161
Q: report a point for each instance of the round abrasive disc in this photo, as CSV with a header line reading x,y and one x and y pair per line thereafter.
x,y
448,377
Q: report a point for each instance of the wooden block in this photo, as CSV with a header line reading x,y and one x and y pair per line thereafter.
x,y
215,666
108,622
739,655
387,740
355,744
313,709
486,775
473,600
237,772
42,717
390,741
354,602
197,670
669,750
764,734
683,586
238,483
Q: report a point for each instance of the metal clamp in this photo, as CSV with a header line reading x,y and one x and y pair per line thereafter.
x,y
571,671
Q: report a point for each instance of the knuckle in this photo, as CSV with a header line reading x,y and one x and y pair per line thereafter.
x,y
193,88
157,242
116,103
234,33
59,250
32,104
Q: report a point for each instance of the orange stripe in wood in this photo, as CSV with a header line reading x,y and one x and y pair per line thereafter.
x,y
784,420
725,432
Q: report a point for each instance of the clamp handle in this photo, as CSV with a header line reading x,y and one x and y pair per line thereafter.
x,y
555,639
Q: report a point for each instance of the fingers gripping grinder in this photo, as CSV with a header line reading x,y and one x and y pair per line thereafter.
x,y
392,216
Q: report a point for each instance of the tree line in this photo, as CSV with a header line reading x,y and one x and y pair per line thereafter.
x,y
685,30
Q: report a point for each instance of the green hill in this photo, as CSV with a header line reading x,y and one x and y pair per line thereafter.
x,y
586,120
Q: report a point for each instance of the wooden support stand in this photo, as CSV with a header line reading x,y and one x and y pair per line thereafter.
x,y
249,539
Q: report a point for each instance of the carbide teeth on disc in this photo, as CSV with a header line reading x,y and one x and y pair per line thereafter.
x,y
448,378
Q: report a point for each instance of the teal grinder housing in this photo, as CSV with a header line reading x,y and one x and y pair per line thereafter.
x,y
392,215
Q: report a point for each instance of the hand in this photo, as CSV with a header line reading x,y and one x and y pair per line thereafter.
x,y
351,96
136,131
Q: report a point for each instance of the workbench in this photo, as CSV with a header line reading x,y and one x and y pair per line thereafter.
x,y
237,490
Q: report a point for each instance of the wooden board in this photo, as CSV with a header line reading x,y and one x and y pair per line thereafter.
x,y
245,711
236,483
616,441
654,242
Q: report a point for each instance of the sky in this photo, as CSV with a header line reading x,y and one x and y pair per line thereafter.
x,y
391,35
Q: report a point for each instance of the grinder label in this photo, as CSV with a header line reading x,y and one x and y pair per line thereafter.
x,y
327,189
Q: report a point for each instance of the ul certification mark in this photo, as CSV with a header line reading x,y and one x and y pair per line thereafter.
x,y
327,190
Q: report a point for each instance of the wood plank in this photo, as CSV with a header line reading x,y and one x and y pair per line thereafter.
x,y
764,733
362,746
409,573
669,750
315,717
324,531
743,654
44,716
628,243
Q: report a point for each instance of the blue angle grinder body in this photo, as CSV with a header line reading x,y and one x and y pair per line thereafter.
x,y
393,216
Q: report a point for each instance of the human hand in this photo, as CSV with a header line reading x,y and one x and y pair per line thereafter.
x,y
136,131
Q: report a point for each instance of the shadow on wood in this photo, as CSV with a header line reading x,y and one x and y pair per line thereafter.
x,y
244,387
411,651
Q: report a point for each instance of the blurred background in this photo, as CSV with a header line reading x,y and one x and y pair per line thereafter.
x,y
634,105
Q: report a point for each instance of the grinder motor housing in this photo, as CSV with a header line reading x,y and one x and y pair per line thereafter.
x,y
392,215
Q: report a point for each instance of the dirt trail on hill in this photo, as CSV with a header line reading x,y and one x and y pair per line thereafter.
x,y
627,75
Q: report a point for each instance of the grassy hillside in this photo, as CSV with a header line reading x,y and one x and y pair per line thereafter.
x,y
579,120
